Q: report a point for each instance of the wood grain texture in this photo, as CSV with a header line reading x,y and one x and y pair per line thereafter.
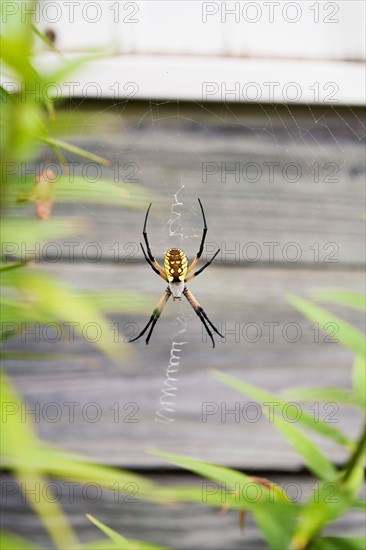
x,y
246,300
265,174
182,527
168,145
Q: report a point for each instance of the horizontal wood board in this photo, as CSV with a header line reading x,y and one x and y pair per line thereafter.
x,y
169,143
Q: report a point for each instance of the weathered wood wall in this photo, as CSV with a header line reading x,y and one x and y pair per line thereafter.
x,y
167,146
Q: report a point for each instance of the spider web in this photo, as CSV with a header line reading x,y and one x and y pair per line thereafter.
x,y
170,143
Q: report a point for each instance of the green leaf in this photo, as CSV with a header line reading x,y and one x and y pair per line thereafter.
x,y
325,506
338,395
347,335
315,460
119,302
325,394
134,545
233,487
72,189
359,379
339,543
74,149
19,440
60,304
360,504
119,541
22,237
342,297
9,541
276,523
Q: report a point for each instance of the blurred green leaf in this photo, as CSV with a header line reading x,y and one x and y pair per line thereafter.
x,y
19,440
134,545
341,297
361,504
338,543
17,27
21,237
324,507
71,189
55,301
17,316
29,356
233,479
119,302
272,509
119,541
338,395
347,335
74,149
276,523
20,120
305,446
8,541
359,379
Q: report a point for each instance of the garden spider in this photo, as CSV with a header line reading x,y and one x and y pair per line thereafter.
x,y
175,274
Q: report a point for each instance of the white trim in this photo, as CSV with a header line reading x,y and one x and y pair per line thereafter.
x,y
153,77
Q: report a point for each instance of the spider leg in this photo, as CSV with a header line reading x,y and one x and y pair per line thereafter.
x,y
155,266
199,253
159,270
201,314
202,268
154,317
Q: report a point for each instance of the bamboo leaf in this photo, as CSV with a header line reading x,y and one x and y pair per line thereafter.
x,y
342,297
359,379
72,189
19,440
347,335
73,149
289,430
327,503
339,543
55,301
119,541
277,531
338,395
9,541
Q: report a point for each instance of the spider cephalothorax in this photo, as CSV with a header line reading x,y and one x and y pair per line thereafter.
x,y
175,273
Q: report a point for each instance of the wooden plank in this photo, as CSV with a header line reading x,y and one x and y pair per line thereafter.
x,y
298,178
182,527
246,300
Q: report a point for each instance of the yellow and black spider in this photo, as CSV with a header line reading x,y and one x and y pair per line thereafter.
x,y
175,274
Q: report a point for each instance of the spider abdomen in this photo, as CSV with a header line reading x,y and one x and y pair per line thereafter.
x,y
175,265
